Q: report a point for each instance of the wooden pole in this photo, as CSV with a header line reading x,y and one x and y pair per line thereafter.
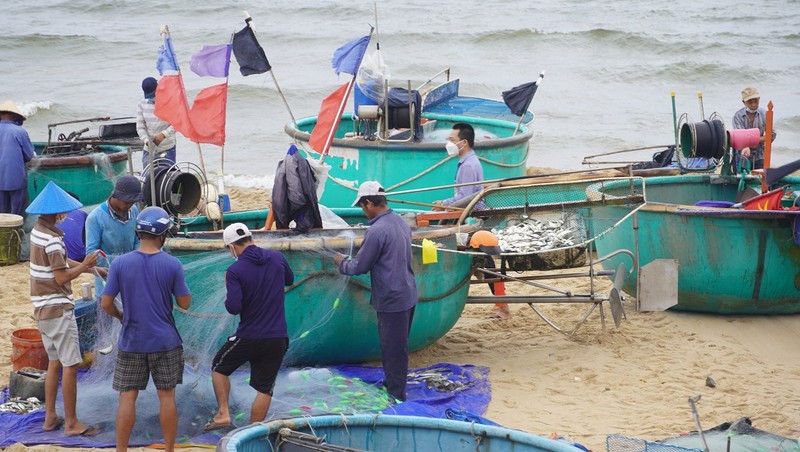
x,y
767,146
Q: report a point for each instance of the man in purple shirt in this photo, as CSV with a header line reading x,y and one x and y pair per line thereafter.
x,y
255,285
16,149
461,142
386,254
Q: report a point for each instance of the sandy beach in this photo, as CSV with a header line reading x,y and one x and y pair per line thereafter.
x,y
635,380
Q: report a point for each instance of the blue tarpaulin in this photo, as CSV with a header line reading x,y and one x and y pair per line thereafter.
x,y
442,390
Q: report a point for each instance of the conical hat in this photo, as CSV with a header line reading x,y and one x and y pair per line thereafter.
x,y
53,199
11,107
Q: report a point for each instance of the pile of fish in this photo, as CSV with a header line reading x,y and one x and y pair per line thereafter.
x,y
530,235
437,379
18,405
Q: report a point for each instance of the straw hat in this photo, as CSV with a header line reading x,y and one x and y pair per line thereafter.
x,y
53,199
10,107
750,93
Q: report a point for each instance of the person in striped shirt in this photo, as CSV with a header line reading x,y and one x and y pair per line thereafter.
x,y
53,306
154,132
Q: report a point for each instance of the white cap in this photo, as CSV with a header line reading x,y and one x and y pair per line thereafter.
x,y
369,188
235,232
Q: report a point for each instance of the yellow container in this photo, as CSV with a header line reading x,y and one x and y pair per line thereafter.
x,y
10,238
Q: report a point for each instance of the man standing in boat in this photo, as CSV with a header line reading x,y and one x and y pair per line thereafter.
x,y
386,254
255,292
149,343
16,150
753,117
154,132
461,142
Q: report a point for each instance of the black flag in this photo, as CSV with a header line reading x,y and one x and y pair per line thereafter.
x,y
518,98
248,52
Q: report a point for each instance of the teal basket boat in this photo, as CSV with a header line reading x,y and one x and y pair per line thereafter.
x,y
383,433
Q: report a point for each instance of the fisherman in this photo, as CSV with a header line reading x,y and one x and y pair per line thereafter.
x,y
149,343
487,242
753,117
461,141
111,227
255,285
16,150
386,254
153,131
54,308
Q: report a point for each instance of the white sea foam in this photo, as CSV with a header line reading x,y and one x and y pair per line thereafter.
x,y
31,107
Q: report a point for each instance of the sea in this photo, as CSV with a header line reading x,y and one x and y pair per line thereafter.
x,y
611,67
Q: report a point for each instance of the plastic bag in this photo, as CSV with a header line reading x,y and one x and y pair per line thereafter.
x,y
372,75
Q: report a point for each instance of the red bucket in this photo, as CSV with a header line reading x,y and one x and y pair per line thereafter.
x,y
27,349
744,138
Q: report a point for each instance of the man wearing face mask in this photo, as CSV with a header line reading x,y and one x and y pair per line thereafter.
x,y
54,308
255,285
753,117
16,149
461,141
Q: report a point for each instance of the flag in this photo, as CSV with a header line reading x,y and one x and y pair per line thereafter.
x,y
166,57
347,58
248,53
208,115
770,200
172,106
212,61
519,98
330,113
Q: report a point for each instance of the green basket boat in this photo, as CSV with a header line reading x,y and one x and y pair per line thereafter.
x,y
501,144
329,317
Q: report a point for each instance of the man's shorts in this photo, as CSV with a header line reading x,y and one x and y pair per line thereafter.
x,y
133,370
265,357
60,338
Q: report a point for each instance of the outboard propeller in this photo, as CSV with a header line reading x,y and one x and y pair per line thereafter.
x,y
615,297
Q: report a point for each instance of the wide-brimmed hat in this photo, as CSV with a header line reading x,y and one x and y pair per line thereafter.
x,y
53,199
750,93
149,86
128,189
369,188
11,107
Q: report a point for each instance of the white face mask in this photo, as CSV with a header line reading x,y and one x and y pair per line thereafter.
x,y
452,148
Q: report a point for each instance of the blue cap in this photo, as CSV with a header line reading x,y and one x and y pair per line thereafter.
x,y
149,86
53,199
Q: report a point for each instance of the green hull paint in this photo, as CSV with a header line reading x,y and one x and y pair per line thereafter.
x,y
407,166
90,176
730,261
321,329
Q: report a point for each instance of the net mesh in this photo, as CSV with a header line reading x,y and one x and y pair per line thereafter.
x,y
620,443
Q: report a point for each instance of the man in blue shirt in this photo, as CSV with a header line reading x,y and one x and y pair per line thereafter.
x,y
111,227
149,343
16,149
461,141
386,254
255,285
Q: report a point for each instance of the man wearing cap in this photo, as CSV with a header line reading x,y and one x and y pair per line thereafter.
x,y
111,227
53,306
753,117
16,149
386,254
255,293
149,343
154,132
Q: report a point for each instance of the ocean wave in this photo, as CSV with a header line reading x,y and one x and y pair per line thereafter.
x,y
29,108
249,181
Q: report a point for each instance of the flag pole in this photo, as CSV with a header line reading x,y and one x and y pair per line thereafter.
x,y
221,179
519,123
248,20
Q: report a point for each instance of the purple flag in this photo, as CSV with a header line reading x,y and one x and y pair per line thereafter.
x,y
212,61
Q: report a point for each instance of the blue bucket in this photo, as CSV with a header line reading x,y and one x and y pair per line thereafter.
x,y
86,318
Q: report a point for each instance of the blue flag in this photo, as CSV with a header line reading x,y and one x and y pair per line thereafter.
x,y
347,58
166,57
